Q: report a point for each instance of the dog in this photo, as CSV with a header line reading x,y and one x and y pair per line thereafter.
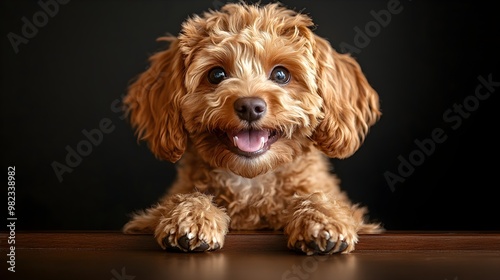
x,y
251,104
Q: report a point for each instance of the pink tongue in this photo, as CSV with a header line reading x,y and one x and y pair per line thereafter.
x,y
250,140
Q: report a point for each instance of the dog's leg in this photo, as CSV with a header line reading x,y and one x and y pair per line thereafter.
x,y
189,222
324,224
144,222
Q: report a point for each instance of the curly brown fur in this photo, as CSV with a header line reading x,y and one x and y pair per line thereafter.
x,y
252,142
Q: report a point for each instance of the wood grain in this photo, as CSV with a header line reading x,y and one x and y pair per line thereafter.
x,y
248,255
259,241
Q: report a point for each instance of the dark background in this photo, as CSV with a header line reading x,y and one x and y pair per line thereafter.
x,y
72,74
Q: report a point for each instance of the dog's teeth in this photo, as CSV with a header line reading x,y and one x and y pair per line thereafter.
x,y
262,142
235,141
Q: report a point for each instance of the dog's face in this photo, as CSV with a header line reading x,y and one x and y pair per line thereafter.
x,y
249,88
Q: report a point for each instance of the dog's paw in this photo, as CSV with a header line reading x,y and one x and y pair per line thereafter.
x,y
323,245
188,243
192,235
318,234
194,225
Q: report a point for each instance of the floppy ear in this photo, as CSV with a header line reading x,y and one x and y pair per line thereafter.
x,y
350,104
152,104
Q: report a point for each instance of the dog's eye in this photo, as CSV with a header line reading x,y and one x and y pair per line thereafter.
x,y
216,75
280,75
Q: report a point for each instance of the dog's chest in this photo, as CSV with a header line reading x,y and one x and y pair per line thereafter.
x,y
238,186
251,203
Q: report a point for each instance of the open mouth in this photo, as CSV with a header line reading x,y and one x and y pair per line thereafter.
x,y
248,143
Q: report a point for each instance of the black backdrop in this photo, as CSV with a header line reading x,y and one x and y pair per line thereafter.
x,y
429,164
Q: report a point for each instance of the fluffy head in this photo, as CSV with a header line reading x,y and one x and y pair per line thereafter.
x,y
249,88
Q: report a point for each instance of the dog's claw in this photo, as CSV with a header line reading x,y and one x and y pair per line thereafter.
x,y
183,242
342,247
330,245
183,245
298,246
167,244
313,247
202,248
335,247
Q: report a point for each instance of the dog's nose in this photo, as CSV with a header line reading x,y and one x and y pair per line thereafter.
x,y
250,108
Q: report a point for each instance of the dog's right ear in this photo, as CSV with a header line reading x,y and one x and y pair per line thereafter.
x,y
153,103
351,106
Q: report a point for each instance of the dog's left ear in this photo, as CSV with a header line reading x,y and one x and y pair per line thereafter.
x,y
153,105
350,104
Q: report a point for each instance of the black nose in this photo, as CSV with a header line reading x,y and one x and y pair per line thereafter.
x,y
250,108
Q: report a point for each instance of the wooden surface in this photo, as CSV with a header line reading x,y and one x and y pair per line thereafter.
x,y
253,255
